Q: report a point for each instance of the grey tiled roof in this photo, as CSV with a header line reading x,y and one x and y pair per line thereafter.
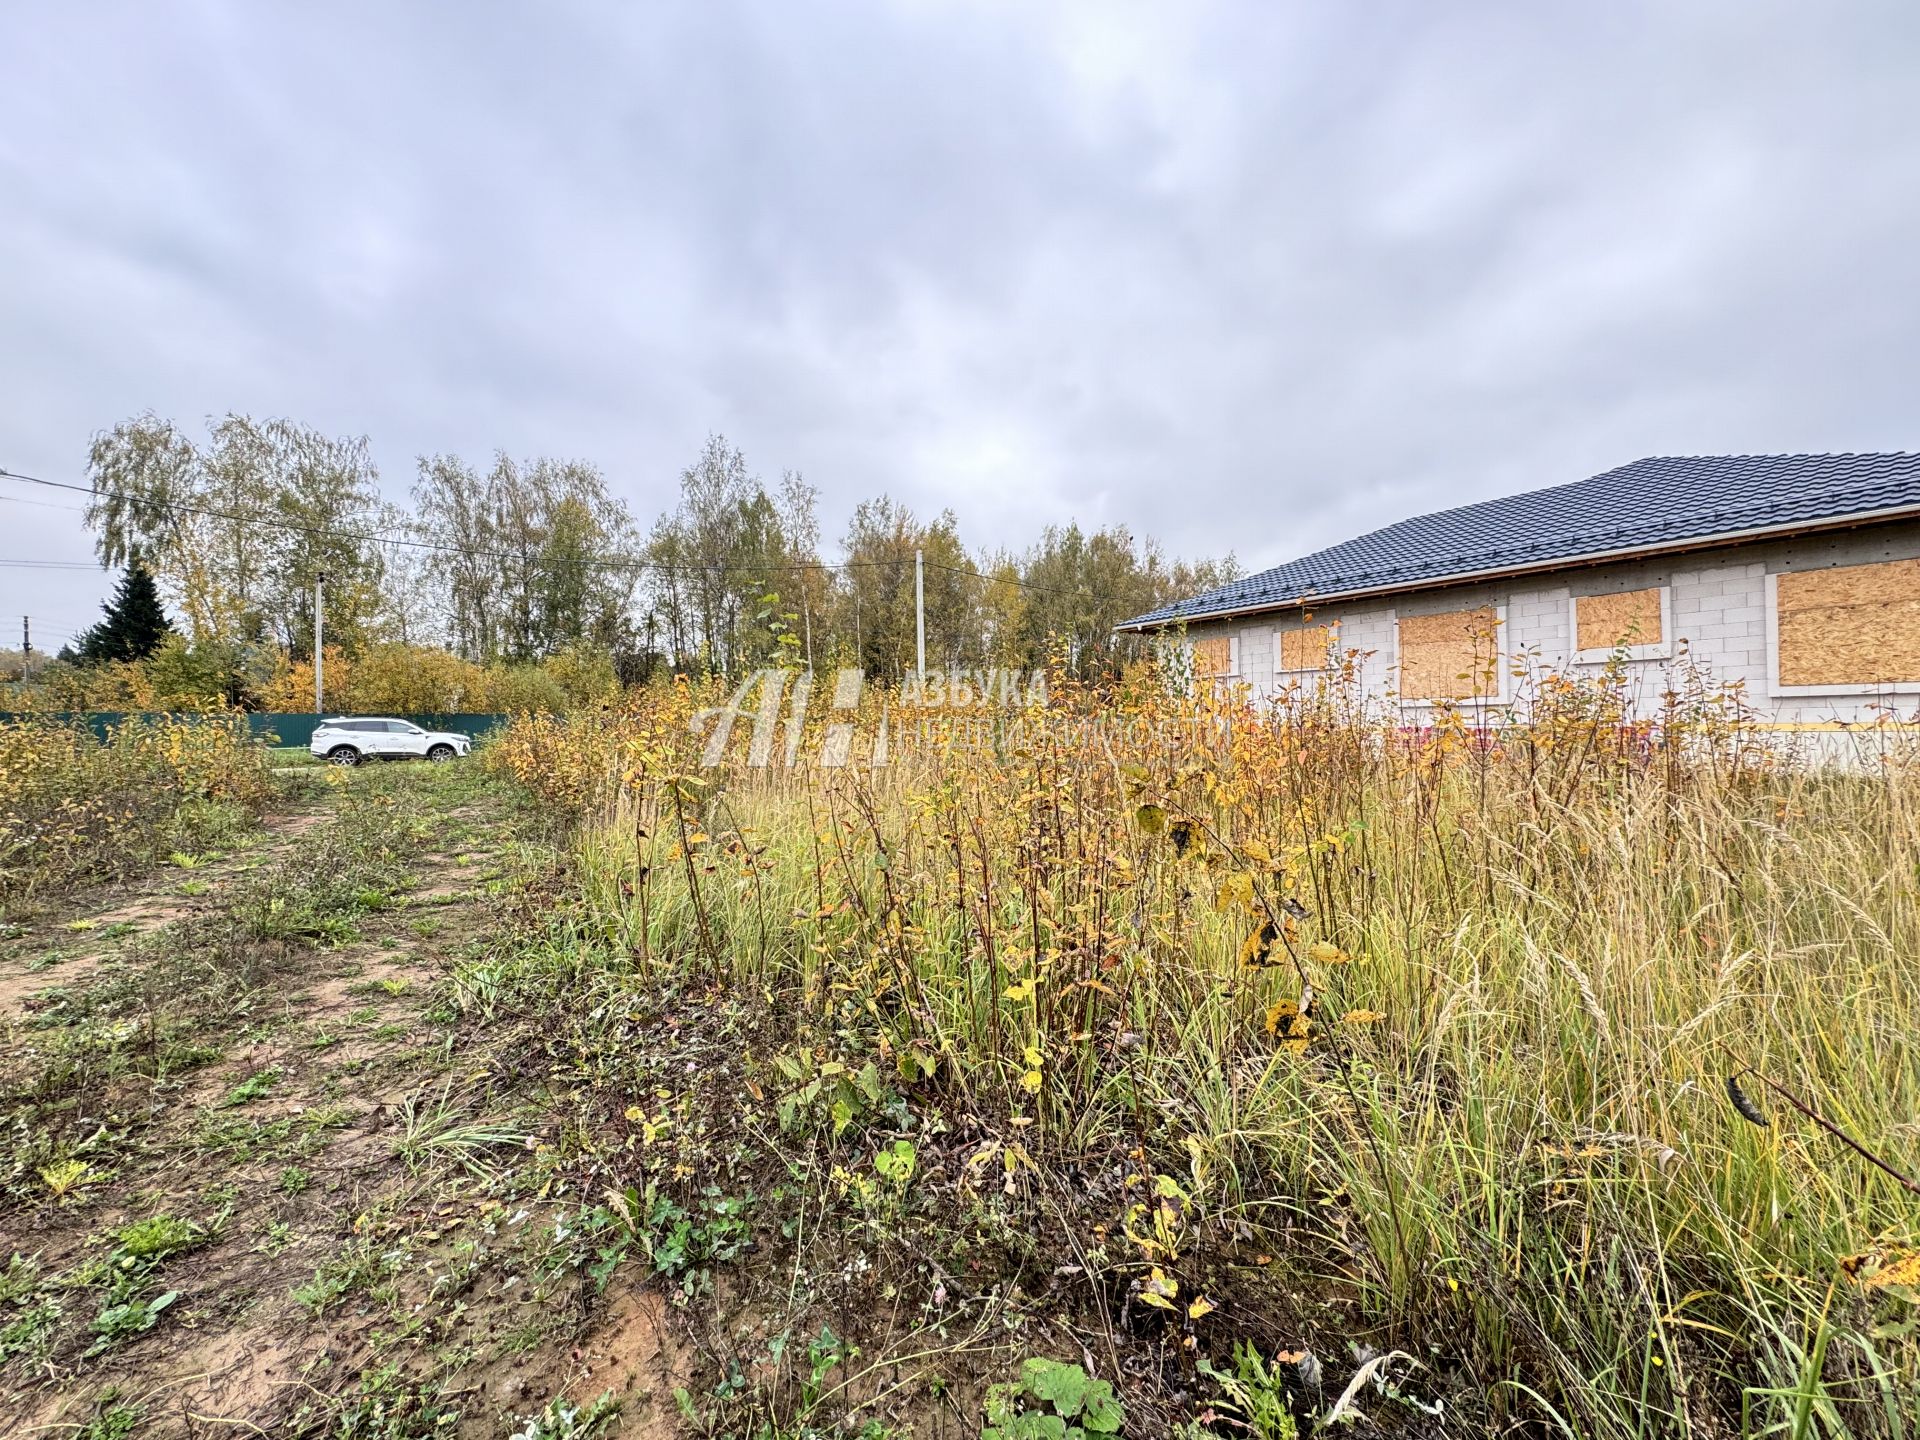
x,y
1650,503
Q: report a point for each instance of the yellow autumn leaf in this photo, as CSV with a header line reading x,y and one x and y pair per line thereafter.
x,y
1363,1017
1899,1270
1328,954
1236,889
1160,1289
1020,990
1201,1306
1032,1081
1257,946
1287,1025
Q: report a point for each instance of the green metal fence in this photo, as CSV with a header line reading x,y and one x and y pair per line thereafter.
x,y
272,729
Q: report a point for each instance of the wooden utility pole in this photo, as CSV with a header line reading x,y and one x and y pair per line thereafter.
x,y
920,614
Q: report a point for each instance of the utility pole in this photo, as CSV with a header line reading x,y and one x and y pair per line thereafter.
x,y
806,608
319,654
920,613
26,635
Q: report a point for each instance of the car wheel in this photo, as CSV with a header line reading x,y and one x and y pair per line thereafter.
x,y
343,755
440,753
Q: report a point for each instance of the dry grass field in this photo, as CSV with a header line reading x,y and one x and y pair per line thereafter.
x,y
1133,1065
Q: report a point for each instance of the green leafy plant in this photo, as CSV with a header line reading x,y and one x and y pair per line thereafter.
x,y
117,1323
1051,1401
896,1161
30,1333
252,1088
356,1266
112,1419
277,1237
154,1239
830,1091
19,1280
825,1351
678,1240
1253,1395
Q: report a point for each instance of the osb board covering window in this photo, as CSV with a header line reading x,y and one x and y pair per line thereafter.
x,y
1630,618
1453,656
1305,649
1212,656
1854,625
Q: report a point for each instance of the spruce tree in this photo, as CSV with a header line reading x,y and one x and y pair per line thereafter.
x,y
133,623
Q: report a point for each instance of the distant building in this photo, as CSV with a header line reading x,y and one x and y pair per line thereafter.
x,y
1797,574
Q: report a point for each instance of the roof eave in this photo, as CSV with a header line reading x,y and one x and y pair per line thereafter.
x,y
1565,562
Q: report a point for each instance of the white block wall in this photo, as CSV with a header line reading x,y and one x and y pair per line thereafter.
x,y
1718,603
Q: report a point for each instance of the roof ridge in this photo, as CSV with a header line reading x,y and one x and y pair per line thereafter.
x,y
1475,537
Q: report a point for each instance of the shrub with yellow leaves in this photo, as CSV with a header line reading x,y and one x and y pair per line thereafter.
x,y
73,805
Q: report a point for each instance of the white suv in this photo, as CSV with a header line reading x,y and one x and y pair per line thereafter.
x,y
348,742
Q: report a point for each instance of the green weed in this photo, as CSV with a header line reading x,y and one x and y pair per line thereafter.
x,y
253,1087
1052,1401
118,1323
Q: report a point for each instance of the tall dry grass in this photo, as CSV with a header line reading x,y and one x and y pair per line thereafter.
x,y
1530,958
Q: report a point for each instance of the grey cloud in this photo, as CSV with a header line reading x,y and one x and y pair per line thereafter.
x,y
1237,276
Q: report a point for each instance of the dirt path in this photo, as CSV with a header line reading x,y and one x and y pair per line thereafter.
x,y
320,1170
65,946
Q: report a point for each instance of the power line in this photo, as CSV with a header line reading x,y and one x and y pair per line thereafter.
x,y
1008,580
48,505
271,522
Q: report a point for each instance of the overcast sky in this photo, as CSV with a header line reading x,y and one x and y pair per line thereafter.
x,y
1251,277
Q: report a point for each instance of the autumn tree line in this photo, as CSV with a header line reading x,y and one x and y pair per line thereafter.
x,y
523,583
